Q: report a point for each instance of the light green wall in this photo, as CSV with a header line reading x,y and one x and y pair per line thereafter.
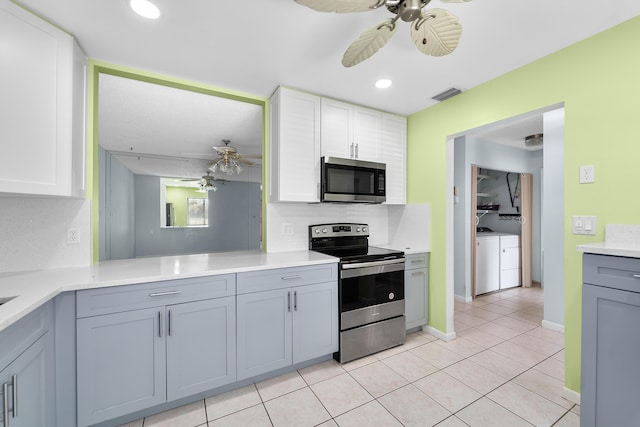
x,y
597,80
178,196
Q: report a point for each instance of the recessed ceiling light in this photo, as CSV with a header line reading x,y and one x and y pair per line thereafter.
x,y
383,83
145,9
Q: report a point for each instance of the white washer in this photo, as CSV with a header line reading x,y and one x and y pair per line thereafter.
x,y
509,261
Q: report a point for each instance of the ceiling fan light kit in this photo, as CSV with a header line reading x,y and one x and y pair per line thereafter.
x,y
229,159
435,32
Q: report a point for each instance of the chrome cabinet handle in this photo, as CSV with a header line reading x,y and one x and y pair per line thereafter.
x,y
295,300
161,294
417,273
5,401
14,381
159,325
637,276
356,151
417,261
351,150
292,277
289,301
169,323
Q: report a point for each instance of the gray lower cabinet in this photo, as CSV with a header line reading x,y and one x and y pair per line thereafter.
x,y
286,326
416,279
27,380
121,364
201,346
610,341
132,360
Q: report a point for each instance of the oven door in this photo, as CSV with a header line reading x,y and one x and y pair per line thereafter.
x,y
371,292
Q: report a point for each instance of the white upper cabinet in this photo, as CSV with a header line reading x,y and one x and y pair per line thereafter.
x,y
305,127
349,131
294,161
41,108
393,147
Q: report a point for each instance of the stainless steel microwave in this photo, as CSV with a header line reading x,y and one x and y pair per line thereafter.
x,y
352,181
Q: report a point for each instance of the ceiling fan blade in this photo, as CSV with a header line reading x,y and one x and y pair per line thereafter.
x,y
245,161
437,32
369,43
341,6
251,156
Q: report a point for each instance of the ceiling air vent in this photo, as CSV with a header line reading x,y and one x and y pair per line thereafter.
x,y
447,94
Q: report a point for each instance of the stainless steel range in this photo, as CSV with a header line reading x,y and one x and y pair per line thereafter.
x,y
370,291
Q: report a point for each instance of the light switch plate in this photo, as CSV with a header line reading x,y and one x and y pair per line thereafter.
x,y
587,174
583,225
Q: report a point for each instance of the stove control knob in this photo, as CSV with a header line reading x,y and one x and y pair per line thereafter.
x,y
364,229
357,229
324,230
317,231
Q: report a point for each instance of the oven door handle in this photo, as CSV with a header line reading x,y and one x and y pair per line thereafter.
x,y
373,263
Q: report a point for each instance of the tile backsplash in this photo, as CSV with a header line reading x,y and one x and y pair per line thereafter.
x,y
288,223
399,226
33,233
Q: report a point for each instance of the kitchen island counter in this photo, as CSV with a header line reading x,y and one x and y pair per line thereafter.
x,y
32,289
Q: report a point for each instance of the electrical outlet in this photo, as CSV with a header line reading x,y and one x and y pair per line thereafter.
x,y
287,229
587,174
73,236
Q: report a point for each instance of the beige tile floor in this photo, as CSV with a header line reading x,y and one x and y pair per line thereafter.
x,y
502,370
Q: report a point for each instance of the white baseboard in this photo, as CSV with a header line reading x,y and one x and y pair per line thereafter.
x,y
439,334
463,299
553,326
571,396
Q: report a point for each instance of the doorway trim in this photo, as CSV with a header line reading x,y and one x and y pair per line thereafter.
x,y
449,264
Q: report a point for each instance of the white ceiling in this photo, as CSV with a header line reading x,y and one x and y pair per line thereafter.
x,y
159,130
255,45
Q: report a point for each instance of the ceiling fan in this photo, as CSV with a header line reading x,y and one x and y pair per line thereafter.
x,y
229,159
435,32
206,182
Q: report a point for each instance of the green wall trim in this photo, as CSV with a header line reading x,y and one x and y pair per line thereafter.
x,y
596,79
96,67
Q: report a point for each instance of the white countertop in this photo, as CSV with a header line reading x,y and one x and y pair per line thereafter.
x,y
606,248
620,240
34,288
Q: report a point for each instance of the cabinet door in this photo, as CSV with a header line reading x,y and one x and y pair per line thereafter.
x,y
121,364
200,346
315,321
32,375
295,147
610,348
264,332
367,125
415,297
337,129
393,145
36,88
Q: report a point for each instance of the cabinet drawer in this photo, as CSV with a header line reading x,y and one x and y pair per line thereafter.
x,y
611,272
16,338
280,278
114,299
416,261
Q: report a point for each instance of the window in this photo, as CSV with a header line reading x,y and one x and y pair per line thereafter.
x,y
197,211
